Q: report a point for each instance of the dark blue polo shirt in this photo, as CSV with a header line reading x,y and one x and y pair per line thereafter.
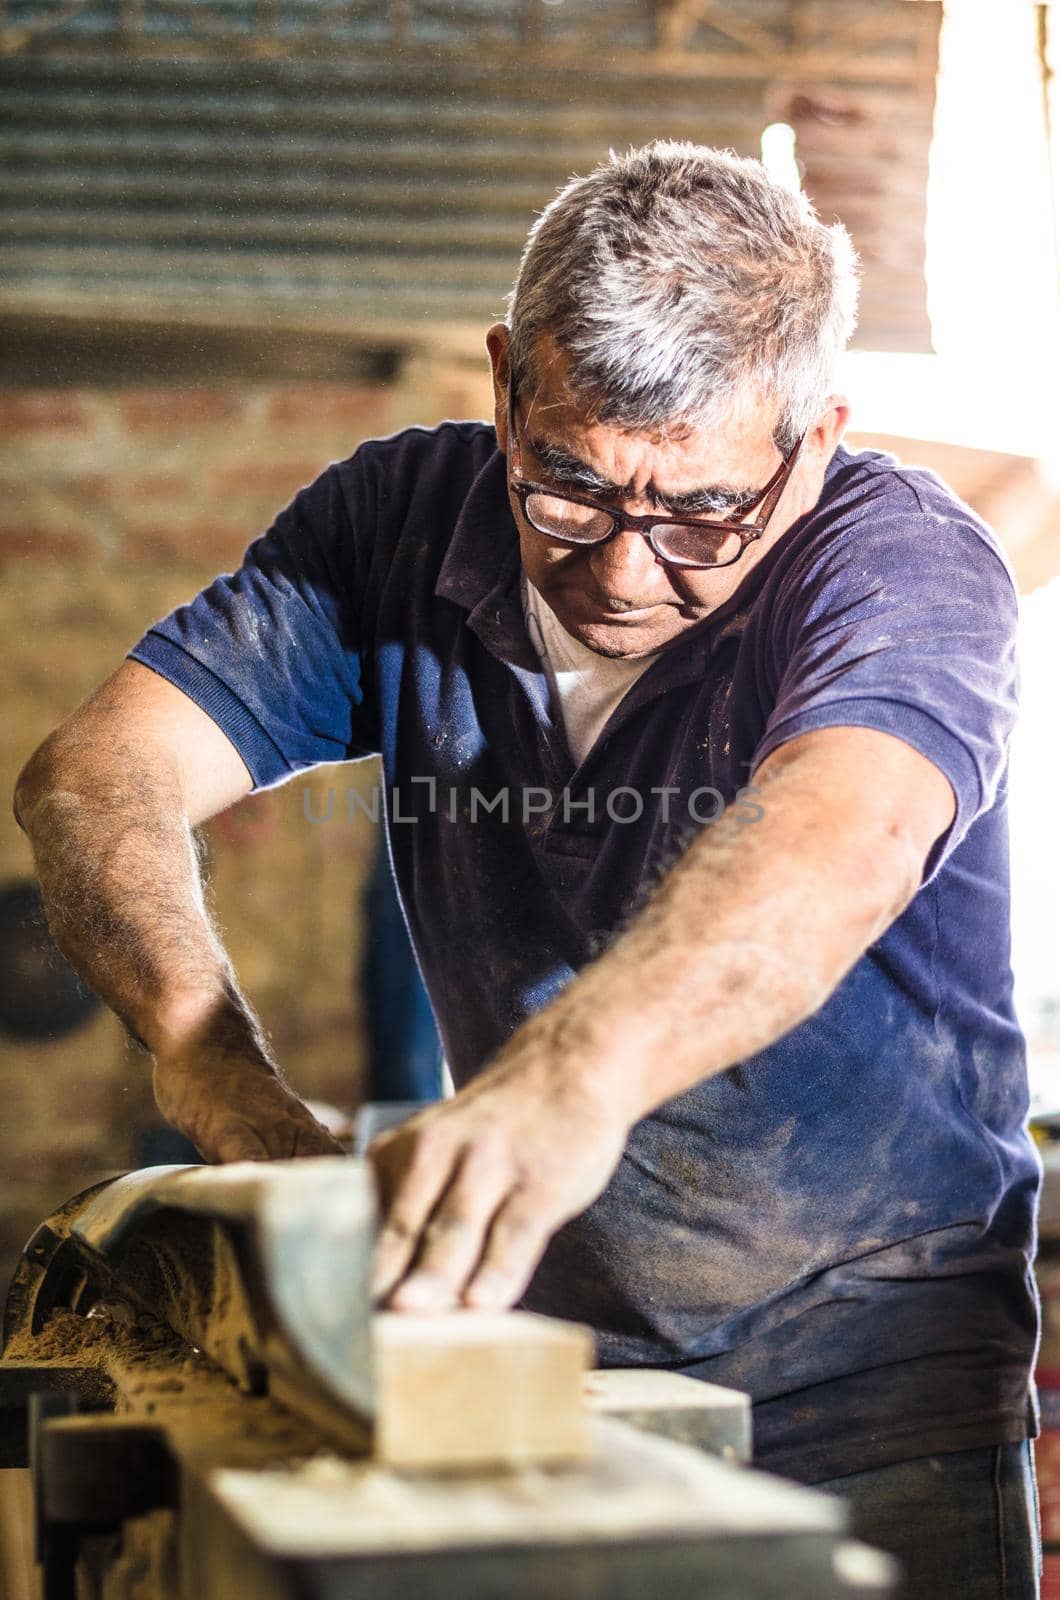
x,y
843,1224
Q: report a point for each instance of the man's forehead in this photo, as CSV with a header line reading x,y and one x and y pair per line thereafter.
x,y
723,461
731,454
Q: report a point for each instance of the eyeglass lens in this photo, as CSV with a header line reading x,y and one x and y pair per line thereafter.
x,y
566,519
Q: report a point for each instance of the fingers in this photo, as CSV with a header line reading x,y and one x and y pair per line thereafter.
x,y
516,1243
311,1138
237,1109
451,1244
316,1142
411,1179
458,1230
472,1190
231,1140
276,1132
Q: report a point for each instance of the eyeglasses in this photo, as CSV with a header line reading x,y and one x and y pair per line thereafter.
x,y
690,542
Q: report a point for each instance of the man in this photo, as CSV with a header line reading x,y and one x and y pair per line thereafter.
x,y
694,728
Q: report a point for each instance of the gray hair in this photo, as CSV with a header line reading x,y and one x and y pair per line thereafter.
x,y
684,284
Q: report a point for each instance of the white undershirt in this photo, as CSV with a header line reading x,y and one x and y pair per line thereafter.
x,y
586,687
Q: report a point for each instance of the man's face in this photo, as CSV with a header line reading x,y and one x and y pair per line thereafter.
x,y
619,598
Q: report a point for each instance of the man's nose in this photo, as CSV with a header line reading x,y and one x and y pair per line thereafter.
x,y
626,567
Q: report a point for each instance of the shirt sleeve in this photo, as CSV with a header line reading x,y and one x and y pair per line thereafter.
x,y
272,652
907,625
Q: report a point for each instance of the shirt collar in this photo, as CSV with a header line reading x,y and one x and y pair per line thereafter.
x,y
481,568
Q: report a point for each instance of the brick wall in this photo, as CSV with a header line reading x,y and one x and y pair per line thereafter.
x,y
117,502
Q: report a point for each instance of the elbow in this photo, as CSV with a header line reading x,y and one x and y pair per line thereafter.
x,y
38,779
895,873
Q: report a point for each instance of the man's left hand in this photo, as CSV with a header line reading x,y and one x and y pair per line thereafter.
x,y
473,1189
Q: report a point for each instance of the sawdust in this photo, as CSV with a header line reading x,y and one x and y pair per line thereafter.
x,y
65,1340
70,1339
155,1375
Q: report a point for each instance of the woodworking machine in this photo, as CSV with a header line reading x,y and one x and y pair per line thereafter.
x,y
210,1410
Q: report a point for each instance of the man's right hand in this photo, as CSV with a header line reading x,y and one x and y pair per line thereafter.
x,y
236,1108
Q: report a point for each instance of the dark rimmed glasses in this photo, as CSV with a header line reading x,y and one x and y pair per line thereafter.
x,y
691,542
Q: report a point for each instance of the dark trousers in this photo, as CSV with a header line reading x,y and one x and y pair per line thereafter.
x,y
963,1526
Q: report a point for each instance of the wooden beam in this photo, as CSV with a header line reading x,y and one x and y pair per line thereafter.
x,y
677,1407
471,1389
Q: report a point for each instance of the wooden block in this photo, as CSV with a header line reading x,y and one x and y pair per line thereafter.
x,y
674,1406
470,1389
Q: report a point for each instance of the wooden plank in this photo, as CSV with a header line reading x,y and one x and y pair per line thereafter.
x,y
825,65
254,232
278,194
676,1407
324,272
632,1488
456,334
424,161
280,117
472,1389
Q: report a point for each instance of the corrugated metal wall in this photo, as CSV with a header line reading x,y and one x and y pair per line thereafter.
x,y
378,165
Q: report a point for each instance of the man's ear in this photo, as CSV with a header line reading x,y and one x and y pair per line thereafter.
x,y
497,340
830,427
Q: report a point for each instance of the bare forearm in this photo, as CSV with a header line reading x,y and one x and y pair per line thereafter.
x,y
109,802
118,868
744,939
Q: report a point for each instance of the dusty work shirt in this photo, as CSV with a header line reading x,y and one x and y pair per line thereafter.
x,y
842,1224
